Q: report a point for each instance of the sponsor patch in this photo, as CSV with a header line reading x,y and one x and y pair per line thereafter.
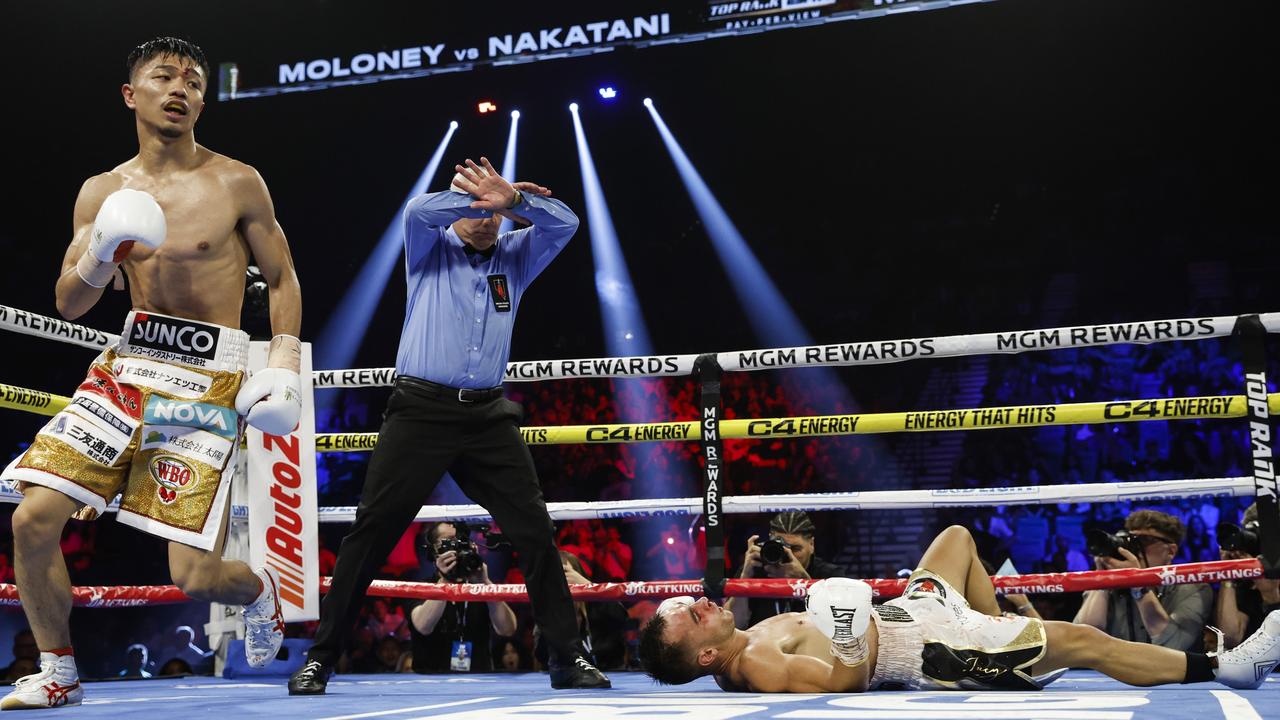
x,y
158,376
216,419
500,293
159,336
124,398
96,443
925,586
188,442
892,613
173,475
85,404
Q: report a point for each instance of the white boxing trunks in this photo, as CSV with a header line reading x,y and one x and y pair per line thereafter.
x,y
930,639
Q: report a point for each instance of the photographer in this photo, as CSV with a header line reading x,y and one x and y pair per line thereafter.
x,y
1242,605
1171,616
456,636
787,553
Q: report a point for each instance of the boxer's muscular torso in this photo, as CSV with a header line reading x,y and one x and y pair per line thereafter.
x,y
199,271
785,634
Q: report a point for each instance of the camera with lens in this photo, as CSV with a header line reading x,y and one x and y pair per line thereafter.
x,y
1103,544
465,552
1240,539
773,551
468,560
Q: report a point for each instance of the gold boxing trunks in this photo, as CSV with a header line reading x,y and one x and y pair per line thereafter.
x,y
153,422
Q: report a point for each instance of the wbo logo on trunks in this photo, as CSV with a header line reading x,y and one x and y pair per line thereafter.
x,y
173,475
216,419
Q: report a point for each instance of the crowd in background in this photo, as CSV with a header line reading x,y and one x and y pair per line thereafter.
x,y
1040,538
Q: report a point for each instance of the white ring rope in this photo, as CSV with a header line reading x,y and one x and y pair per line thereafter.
x,y
869,500
836,355
1145,491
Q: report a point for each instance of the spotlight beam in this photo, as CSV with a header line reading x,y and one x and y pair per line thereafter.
x,y
509,163
625,331
766,309
338,342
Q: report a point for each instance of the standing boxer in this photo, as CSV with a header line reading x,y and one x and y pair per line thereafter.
x,y
156,419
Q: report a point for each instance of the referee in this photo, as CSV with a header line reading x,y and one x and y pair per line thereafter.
x,y
447,412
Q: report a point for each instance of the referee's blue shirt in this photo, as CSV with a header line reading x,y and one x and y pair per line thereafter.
x,y
457,331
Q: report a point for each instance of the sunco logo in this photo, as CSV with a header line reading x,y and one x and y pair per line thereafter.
x,y
162,333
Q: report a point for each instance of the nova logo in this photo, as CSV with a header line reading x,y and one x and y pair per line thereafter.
x,y
213,418
175,335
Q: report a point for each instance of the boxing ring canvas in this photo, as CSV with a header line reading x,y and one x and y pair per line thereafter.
x,y
1080,695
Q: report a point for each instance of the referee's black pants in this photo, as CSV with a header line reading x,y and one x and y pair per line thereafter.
x,y
424,434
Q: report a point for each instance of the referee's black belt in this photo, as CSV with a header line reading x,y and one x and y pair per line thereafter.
x,y
436,390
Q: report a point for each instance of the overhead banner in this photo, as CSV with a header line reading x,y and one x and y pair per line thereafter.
x,y
436,53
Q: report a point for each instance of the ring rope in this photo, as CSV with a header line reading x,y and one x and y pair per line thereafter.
x,y
875,352
1144,491
1040,583
1188,408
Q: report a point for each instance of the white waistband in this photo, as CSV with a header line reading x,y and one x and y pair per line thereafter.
x,y
183,342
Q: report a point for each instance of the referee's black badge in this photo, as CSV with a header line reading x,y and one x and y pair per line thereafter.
x,y
500,293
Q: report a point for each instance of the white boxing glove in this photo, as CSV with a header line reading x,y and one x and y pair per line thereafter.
x,y
841,609
126,216
271,400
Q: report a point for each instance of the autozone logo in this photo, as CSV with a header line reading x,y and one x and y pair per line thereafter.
x,y
174,334
284,536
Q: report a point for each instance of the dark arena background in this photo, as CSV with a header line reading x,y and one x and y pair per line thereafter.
x,y
749,176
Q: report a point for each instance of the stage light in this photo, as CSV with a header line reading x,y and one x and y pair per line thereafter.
x,y
515,114
573,107
453,124
607,93
486,107
648,102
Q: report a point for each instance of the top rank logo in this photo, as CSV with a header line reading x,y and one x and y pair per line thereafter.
x,y
186,337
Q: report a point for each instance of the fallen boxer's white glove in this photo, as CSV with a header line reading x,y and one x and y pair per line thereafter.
x,y
271,400
126,216
841,609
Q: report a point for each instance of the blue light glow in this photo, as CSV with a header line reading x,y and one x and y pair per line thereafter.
x,y
509,163
338,342
766,309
